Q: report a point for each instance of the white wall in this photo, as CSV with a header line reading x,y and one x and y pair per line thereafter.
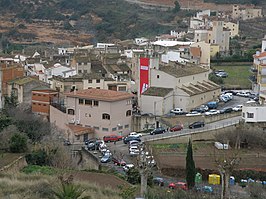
x,y
259,113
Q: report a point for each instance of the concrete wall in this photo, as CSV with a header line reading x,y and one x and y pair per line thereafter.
x,y
89,161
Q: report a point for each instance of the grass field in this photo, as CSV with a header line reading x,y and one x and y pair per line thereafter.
x,y
237,76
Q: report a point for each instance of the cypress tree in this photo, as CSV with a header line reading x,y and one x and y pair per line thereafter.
x,y
190,166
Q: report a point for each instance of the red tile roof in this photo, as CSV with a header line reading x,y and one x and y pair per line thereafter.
x,y
100,94
79,130
263,54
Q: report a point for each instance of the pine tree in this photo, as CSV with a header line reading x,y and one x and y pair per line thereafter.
x,y
190,166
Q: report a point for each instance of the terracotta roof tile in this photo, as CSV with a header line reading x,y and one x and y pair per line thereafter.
x,y
79,130
263,54
100,94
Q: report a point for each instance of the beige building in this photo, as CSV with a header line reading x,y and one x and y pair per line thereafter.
x,y
254,113
215,35
233,27
214,50
88,80
204,55
176,85
247,13
106,111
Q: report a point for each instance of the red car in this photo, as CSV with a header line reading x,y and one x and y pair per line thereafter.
x,y
178,185
119,162
177,127
112,138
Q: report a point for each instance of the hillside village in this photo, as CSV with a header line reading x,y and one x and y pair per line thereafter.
x,y
123,114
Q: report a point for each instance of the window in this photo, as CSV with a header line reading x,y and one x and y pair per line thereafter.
x,y
98,80
78,137
114,129
250,115
105,129
122,88
98,87
70,112
96,127
128,113
89,81
128,102
44,104
158,76
81,101
126,126
34,103
105,116
79,71
96,103
88,102
85,71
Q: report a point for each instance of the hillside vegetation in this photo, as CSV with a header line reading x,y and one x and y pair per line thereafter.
x,y
104,20
39,186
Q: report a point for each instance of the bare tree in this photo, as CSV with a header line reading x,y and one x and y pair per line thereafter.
x,y
144,166
226,163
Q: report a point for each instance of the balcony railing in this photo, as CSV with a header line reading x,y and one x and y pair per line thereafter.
x,y
60,107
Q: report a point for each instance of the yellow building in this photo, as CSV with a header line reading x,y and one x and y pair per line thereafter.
x,y
214,50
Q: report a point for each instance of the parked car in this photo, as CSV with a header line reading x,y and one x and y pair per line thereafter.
x,y
133,148
226,110
106,158
178,185
212,112
222,74
159,130
204,189
243,94
212,105
118,162
67,142
158,181
177,127
135,134
112,138
250,101
199,110
127,167
134,153
134,143
193,113
177,111
196,125
95,145
130,138
238,108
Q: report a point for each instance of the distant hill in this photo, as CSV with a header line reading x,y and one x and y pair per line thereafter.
x,y
96,20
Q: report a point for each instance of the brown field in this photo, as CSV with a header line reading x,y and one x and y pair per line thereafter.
x,y
103,180
205,155
193,4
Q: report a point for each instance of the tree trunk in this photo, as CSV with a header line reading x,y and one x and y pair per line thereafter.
x,y
226,185
143,188
222,179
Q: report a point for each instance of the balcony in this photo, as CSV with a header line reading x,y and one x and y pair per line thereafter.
x,y
253,70
60,107
253,78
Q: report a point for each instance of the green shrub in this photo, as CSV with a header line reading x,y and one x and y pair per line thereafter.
x,y
18,143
